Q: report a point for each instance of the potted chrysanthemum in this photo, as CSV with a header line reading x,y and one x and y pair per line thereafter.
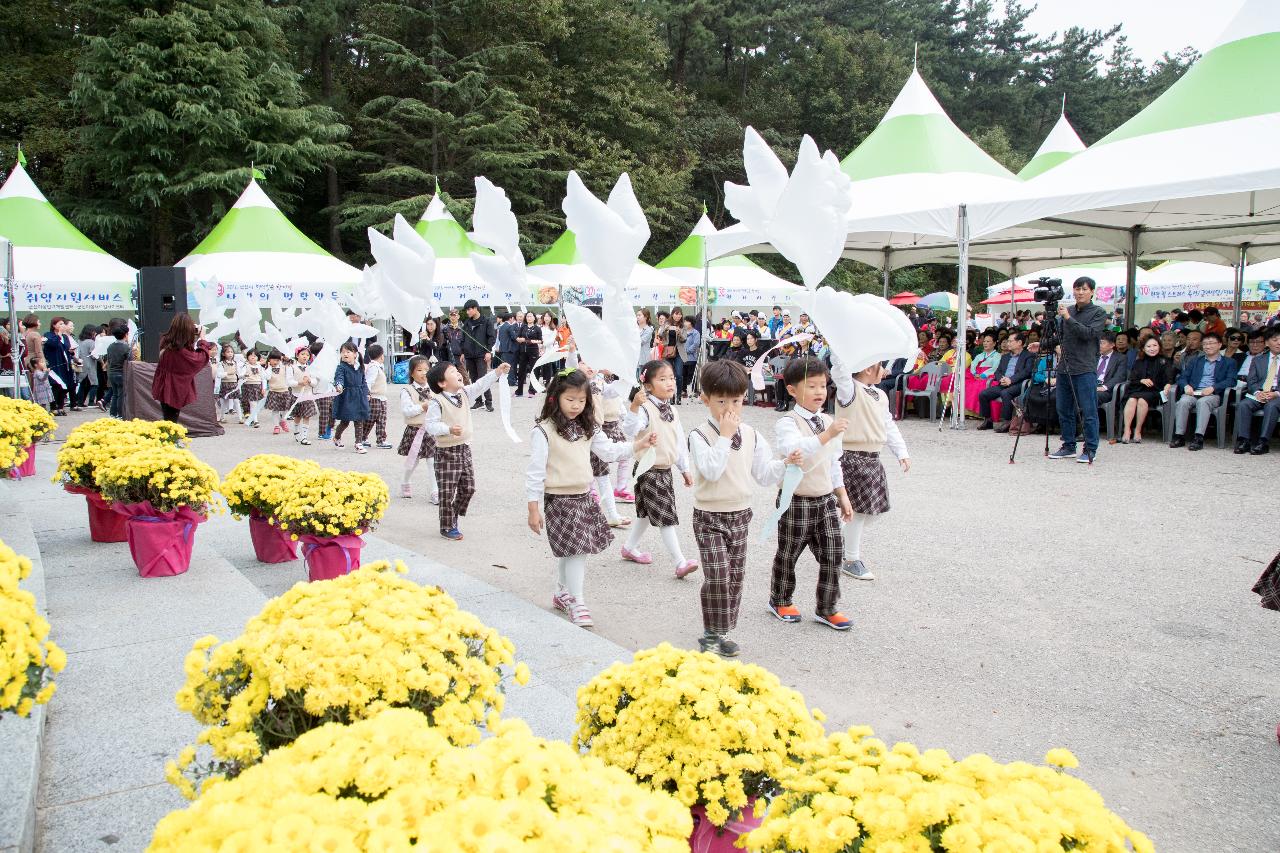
x,y
716,734
95,442
22,424
339,651
327,511
26,655
163,492
255,489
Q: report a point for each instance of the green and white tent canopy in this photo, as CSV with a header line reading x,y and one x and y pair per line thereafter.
x,y
567,278
733,281
456,277
55,267
256,253
1058,147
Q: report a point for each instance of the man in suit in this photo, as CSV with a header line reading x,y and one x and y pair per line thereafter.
x,y
507,346
478,338
1204,380
1014,368
1262,394
1113,367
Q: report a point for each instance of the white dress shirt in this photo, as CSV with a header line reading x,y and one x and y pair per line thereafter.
x,y
709,460
536,474
435,423
789,437
845,388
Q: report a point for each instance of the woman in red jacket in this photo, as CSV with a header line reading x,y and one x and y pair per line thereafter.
x,y
182,356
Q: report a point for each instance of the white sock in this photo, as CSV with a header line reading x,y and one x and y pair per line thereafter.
x,y
607,503
408,472
624,475
638,529
572,575
853,535
671,539
431,478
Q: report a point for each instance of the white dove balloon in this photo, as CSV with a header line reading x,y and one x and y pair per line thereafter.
x,y
496,228
804,218
399,264
406,236
218,324
365,298
861,329
275,338
246,319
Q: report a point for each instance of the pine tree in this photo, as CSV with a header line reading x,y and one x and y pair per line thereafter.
x,y
177,101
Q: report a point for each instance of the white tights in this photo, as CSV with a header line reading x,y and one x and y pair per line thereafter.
x,y
572,573
670,538
431,474
624,474
605,489
853,535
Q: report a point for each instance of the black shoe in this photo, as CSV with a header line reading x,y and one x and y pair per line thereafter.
x,y
1197,442
1002,426
477,404
986,424
488,407
1260,448
1242,446
1178,441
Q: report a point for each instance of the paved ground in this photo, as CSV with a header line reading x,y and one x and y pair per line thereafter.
x,y
1018,608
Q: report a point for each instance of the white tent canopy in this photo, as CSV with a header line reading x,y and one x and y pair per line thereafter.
x,y
1059,146
734,281
256,253
568,279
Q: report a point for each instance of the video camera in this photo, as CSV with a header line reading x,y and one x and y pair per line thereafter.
x,y
1049,291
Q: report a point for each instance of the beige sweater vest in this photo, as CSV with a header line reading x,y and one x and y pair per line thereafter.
x,y
378,388
607,408
817,480
866,421
420,418
732,492
568,463
277,381
298,387
451,416
669,434
228,373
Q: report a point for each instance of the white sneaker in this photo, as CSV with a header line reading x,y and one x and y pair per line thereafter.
x,y
361,449
435,498
579,614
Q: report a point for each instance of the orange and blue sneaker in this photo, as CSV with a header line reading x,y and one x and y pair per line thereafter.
x,y
452,533
785,612
835,620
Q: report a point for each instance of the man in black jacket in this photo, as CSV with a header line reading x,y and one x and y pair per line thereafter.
x,y
1014,368
478,338
1081,326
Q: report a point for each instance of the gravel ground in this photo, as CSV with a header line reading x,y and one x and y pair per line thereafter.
x,y
1106,609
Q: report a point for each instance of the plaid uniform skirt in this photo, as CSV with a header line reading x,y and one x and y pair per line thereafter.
x,y
613,431
251,392
722,547
865,482
279,401
302,411
230,391
427,450
656,498
575,525
1268,586
456,477
812,522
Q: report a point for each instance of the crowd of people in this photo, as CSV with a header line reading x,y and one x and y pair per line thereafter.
x,y
66,372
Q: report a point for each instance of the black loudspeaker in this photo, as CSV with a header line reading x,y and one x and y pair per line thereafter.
x,y
162,293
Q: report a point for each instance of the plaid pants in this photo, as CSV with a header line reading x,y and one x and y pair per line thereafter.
x,y
377,417
325,408
722,547
812,522
456,477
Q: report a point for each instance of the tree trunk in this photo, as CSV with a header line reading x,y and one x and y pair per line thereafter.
x,y
333,196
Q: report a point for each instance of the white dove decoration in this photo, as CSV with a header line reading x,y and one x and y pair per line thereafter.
x,y
245,320
861,329
610,237
403,271
802,215
496,228
366,298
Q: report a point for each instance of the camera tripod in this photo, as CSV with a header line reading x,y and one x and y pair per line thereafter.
x,y
1048,344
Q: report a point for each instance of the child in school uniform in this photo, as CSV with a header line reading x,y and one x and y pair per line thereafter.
x,y
324,405
563,444
375,376
650,412
303,384
414,400
251,388
820,503
279,397
449,421
871,426
606,402
729,457
226,383
352,402
41,392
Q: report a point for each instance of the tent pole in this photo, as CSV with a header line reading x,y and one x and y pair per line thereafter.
x,y
962,319
888,269
1131,277
1013,292
1239,294
14,339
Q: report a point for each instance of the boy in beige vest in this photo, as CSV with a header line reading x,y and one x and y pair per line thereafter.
x,y
449,422
871,427
375,376
820,503
728,457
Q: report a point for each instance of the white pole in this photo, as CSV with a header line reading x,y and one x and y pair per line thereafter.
x,y
888,269
962,318
1131,277
15,339
1239,294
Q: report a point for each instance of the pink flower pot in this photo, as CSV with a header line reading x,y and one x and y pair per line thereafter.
x,y
28,468
329,557
105,524
159,542
271,544
709,838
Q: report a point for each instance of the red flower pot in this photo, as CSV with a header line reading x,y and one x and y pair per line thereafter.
x,y
159,542
28,468
709,838
271,544
329,557
105,524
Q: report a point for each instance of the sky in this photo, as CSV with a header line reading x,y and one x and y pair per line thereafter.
x,y
1152,26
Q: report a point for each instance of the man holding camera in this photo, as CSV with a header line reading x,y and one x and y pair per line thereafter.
x,y
1080,327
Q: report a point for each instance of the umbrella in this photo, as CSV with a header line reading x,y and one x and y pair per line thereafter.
x,y
1018,296
941,300
907,298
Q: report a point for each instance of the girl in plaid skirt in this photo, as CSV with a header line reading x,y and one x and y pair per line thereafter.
x,y
871,426
414,402
226,383
562,444
279,378
651,412
302,411
251,387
